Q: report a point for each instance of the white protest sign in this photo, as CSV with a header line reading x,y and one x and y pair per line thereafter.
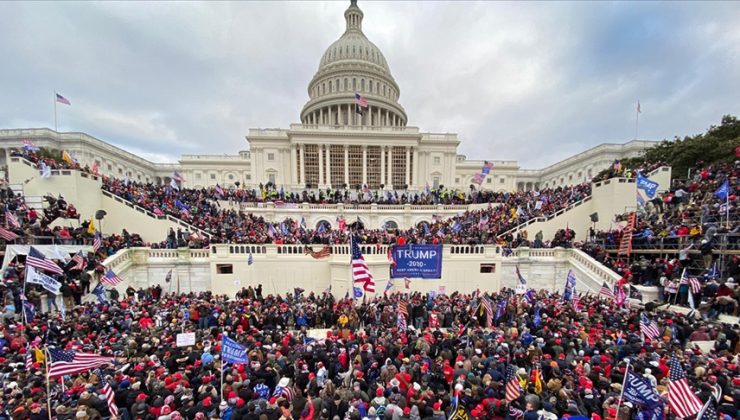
x,y
186,339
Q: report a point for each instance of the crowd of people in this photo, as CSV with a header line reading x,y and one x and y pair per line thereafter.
x,y
446,357
202,209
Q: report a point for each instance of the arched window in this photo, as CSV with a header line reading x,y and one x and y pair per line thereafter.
x,y
354,83
370,86
345,83
326,228
337,85
390,225
323,88
384,90
362,85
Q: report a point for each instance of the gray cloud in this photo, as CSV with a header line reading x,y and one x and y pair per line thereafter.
x,y
534,82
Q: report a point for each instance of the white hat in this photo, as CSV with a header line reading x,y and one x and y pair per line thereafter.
x,y
284,382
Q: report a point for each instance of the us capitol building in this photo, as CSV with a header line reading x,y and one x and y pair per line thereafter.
x,y
340,142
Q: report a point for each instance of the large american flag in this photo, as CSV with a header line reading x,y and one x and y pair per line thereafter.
x,y
360,271
109,397
12,220
97,243
606,291
110,278
693,283
513,389
36,259
648,327
489,310
79,261
69,362
403,307
7,235
681,399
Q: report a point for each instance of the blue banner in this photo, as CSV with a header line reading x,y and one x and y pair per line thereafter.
x,y
646,184
640,391
233,352
417,261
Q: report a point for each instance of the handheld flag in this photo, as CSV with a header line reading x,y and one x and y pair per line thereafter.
x,y
233,352
681,398
91,227
71,362
110,278
570,285
360,271
36,259
513,388
648,327
723,192
99,292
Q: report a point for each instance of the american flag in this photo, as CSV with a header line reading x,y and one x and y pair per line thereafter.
x,y
709,411
79,261
401,323
576,301
681,399
606,291
177,177
108,392
12,220
69,362
110,278
360,100
7,235
693,283
489,310
62,100
36,259
97,243
360,271
29,357
619,295
513,389
649,327
403,307
29,146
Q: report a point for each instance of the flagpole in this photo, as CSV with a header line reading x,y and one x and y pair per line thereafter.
x,y
47,358
637,119
624,382
55,112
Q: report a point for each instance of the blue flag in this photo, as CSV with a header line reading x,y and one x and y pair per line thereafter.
x,y
531,296
570,286
723,192
640,391
537,319
714,271
358,292
29,310
233,352
501,308
646,184
99,292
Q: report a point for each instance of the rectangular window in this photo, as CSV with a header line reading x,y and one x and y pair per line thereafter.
x,y
311,154
298,164
271,178
355,166
213,176
437,160
198,177
435,181
336,158
225,268
488,268
502,180
271,156
489,180
248,177
399,167
457,181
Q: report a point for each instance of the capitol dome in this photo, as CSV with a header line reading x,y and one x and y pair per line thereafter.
x,y
352,66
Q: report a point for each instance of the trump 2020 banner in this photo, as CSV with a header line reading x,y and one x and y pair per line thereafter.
x,y
417,261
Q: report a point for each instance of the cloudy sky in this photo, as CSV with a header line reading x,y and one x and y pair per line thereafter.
x,y
535,82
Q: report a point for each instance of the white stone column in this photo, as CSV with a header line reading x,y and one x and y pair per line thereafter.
x,y
390,167
382,164
303,165
378,121
408,165
364,164
321,166
346,165
293,165
415,173
328,165
321,119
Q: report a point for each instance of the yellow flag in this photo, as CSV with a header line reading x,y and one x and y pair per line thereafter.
x,y
91,227
538,383
66,157
38,355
